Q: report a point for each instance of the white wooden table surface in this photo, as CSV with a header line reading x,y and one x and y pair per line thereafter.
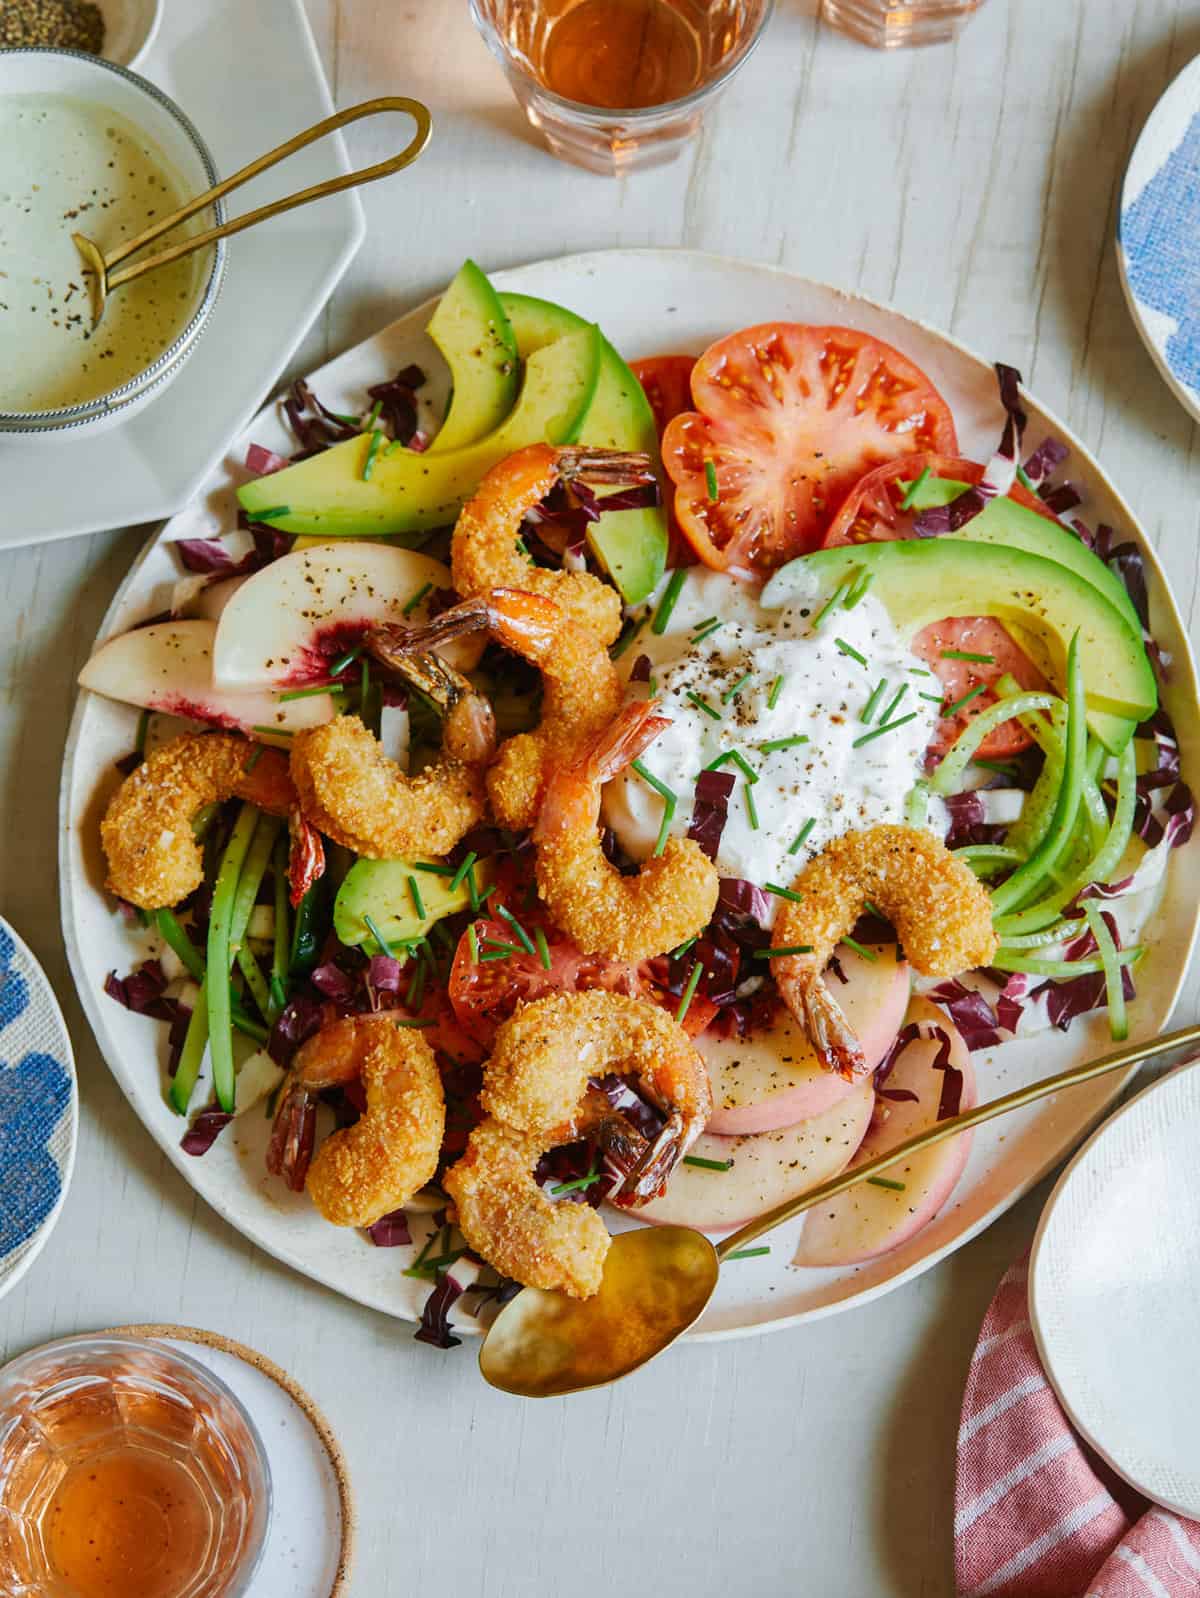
x,y
974,186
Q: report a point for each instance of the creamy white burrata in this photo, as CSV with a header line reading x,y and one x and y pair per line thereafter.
x,y
762,677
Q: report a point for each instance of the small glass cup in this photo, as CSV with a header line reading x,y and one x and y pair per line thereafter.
x,y
889,24
126,1466
703,43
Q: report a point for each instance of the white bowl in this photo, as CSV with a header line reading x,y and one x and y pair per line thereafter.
x,y
129,29
87,77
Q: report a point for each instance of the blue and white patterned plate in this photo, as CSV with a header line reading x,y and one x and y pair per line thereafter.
x,y
38,1108
1158,236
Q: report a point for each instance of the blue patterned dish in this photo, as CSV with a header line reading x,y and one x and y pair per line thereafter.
x,y
38,1108
1158,235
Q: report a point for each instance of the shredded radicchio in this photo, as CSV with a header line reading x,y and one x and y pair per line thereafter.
x,y
968,820
435,1317
204,1131
999,474
952,1080
143,991
971,1013
389,1231
710,809
744,897
1165,806
262,462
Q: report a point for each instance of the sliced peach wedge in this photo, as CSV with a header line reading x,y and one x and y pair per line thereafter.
x,y
877,1216
168,667
285,625
763,1168
774,1078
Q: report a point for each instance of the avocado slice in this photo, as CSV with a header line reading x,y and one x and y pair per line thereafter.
x,y
631,545
925,580
409,492
379,889
473,334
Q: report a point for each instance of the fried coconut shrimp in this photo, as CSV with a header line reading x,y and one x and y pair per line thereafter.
x,y
358,797
673,895
485,551
154,859
373,1167
581,691
505,1216
544,1055
939,908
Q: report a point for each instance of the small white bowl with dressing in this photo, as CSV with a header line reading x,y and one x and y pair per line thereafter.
x,y
87,145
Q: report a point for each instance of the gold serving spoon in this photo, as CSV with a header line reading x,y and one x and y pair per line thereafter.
x,y
104,280
658,1279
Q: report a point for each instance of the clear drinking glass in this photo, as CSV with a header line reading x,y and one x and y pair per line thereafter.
x,y
616,85
888,24
127,1470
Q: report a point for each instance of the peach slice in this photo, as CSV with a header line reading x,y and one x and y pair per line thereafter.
x,y
869,1220
766,1168
168,667
285,624
775,1079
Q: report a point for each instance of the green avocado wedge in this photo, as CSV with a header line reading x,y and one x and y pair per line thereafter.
x,y
631,545
408,493
378,896
473,335
920,581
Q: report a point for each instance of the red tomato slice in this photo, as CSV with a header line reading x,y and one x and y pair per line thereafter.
x,y
788,417
667,381
872,513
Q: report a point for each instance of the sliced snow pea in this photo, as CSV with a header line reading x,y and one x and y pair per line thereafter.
x,y
224,902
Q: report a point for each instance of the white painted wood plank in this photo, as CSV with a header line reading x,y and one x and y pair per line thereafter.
x,y
973,186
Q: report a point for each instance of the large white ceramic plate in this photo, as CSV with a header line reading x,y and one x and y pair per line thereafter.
x,y
1158,236
1114,1290
648,301
249,77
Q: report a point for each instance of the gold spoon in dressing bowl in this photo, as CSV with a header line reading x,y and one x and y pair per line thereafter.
x,y
99,266
658,1279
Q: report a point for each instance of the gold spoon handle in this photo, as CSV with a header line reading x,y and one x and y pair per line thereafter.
x,y
951,1127
348,180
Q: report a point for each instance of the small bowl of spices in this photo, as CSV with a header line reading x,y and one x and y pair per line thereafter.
x,y
119,30
88,146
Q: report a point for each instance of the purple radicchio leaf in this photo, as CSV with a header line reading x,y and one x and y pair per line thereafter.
x,y
204,1131
435,1316
710,809
390,1231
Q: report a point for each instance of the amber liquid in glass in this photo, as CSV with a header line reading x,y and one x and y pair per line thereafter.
x,y
620,53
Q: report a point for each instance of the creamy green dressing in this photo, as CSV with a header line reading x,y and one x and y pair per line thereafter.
x,y
71,165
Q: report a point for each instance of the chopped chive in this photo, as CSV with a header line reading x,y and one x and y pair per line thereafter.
x,y
373,417
693,979
829,603
783,893
372,451
743,765
254,760
669,599
309,693
456,880
859,591
543,948
702,1164
751,807
705,621
877,693
1006,768
748,1253
866,954
522,936
886,715
414,893
919,671
411,604
670,799
705,630
495,954
348,659
710,482
678,954
574,1187
787,948
736,689
271,512
873,910
794,846
965,654
849,649
773,696
934,699
433,868
384,946
495,945
886,726
885,1181
143,727
783,743
913,489
702,704
966,699
412,1021
628,633
473,943
481,899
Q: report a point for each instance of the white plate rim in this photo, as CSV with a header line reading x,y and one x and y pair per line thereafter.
x,y
1037,1301
49,998
1184,665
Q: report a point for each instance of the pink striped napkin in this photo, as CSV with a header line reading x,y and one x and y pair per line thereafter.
x,y
1036,1514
